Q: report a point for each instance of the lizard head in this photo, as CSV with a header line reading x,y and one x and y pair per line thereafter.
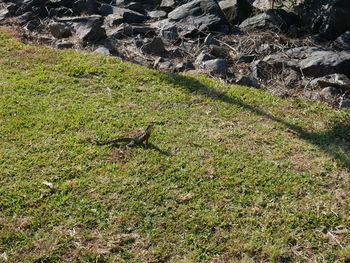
x,y
150,127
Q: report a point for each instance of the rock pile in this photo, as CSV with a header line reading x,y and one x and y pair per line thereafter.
x,y
301,53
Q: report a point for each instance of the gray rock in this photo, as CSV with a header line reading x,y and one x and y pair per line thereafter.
x,y
123,31
265,49
4,14
65,3
210,40
60,30
33,25
271,19
291,78
103,51
143,29
219,51
85,7
114,20
262,4
330,18
80,19
34,6
64,44
267,4
87,28
90,32
169,32
167,5
279,61
159,60
154,47
166,66
236,10
343,41
261,69
304,52
248,81
198,14
60,12
157,14
182,30
247,58
138,41
176,52
325,63
25,18
344,104
203,56
312,61
129,16
330,93
184,66
216,66
146,4
12,8
135,6
334,80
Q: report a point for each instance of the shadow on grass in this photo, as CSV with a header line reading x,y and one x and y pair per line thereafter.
x,y
334,142
144,146
155,147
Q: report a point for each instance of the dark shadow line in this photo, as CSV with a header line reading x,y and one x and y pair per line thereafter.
x,y
144,146
312,137
155,147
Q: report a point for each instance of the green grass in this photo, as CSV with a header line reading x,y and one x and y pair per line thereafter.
x,y
233,174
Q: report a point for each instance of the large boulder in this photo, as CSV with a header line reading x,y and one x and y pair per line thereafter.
x,y
87,28
197,15
312,61
271,19
326,62
236,10
330,18
339,81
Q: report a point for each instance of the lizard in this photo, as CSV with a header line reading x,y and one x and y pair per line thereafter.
x,y
137,140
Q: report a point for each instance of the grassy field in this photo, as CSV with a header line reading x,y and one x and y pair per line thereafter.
x,y
232,174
